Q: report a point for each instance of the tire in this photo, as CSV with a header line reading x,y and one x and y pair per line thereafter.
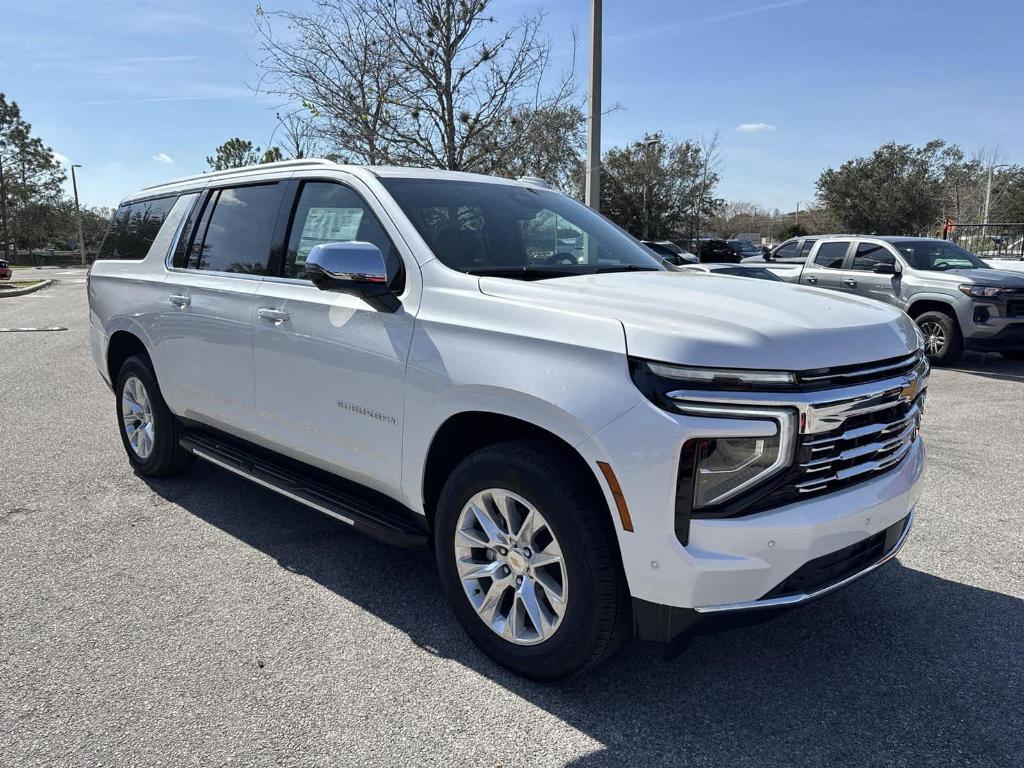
x,y
1013,354
943,332
149,432
595,616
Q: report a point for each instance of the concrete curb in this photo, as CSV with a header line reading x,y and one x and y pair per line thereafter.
x,y
23,291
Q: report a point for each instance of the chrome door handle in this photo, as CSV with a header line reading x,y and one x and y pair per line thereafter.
x,y
850,282
276,316
179,301
811,279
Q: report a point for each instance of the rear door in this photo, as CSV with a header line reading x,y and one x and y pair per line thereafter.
x,y
208,320
330,369
862,279
825,268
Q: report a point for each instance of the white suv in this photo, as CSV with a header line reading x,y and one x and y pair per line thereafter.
x,y
591,443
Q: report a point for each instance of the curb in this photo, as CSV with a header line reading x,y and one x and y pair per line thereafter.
x,y
23,291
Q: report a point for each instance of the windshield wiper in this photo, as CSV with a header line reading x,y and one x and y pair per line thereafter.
x,y
526,273
626,268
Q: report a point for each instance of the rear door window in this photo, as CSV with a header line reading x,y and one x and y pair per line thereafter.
x,y
831,255
134,228
870,255
806,247
236,230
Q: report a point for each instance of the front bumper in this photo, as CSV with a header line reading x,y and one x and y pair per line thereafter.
x,y
1009,337
733,566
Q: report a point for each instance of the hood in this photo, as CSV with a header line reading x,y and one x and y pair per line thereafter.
x,y
698,318
976,277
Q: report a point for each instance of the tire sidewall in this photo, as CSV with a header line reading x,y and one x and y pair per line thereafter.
x,y
954,340
163,427
558,655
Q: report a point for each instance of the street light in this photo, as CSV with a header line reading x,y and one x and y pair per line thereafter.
x,y
78,214
593,179
988,187
648,143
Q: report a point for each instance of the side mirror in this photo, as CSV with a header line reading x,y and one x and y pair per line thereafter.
x,y
354,268
884,269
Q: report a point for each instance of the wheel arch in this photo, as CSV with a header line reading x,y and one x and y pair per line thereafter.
x,y
919,306
467,431
122,345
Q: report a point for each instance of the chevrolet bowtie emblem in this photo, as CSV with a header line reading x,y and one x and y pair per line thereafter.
x,y
910,390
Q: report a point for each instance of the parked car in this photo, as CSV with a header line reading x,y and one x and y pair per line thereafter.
x,y
958,301
792,251
745,249
739,270
670,252
5,270
590,449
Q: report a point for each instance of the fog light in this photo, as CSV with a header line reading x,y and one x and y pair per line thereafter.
x,y
981,314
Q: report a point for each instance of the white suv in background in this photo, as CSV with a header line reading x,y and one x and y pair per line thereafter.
x,y
592,446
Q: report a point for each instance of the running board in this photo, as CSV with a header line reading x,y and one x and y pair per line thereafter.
x,y
369,512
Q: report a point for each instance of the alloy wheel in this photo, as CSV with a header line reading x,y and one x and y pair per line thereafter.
x,y
934,338
511,566
137,417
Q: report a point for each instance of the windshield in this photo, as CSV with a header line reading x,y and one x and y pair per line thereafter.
x,y
666,248
938,255
744,246
513,231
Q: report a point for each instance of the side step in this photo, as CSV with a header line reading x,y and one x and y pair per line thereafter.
x,y
363,509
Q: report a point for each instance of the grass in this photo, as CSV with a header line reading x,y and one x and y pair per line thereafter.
x,y
18,284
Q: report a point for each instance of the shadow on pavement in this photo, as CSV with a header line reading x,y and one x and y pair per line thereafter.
x,y
990,365
902,668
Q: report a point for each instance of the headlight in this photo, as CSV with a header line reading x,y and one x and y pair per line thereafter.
x,y
723,378
725,466
984,291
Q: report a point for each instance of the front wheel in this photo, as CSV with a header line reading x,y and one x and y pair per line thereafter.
x,y
943,342
526,553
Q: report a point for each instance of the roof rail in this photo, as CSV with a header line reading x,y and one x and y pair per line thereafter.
x,y
305,162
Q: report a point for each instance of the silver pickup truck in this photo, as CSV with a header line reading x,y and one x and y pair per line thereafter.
x,y
958,301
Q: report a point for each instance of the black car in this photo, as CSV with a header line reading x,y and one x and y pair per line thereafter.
x,y
670,252
715,251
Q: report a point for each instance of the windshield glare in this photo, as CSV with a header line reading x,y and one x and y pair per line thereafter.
x,y
487,228
937,255
745,246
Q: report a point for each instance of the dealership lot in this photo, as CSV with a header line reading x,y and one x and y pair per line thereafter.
x,y
205,620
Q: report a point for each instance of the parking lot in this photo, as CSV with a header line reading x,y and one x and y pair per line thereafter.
x,y
207,621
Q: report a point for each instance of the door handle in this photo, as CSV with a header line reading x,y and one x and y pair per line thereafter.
x,y
850,282
179,300
811,279
276,316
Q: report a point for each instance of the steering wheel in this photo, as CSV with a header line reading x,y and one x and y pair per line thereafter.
x,y
561,259
941,265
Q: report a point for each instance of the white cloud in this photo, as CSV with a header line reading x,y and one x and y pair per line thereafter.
x,y
755,127
60,158
163,157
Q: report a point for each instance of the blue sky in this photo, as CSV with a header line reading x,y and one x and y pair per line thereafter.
x,y
143,91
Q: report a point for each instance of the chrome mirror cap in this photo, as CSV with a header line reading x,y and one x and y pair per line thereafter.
x,y
354,262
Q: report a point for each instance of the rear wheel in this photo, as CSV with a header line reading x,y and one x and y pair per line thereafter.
x,y
943,342
149,431
526,553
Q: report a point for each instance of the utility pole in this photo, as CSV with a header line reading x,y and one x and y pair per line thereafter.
x,y
593,179
3,207
78,214
648,143
796,216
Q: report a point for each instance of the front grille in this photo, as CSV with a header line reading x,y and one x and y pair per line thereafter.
x,y
832,568
845,375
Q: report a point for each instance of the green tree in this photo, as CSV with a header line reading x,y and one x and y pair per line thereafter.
x,y
653,187
898,190
239,153
30,177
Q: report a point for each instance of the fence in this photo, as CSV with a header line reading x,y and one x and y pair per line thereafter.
x,y
47,258
989,241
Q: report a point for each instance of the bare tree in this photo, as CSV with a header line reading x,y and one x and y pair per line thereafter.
x,y
296,135
416,81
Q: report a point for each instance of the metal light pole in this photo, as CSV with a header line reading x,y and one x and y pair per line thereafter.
x,y
3,209
988,188
796,216
647,183
78,214
593,182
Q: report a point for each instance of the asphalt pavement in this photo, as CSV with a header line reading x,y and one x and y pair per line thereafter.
x,y
206,621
